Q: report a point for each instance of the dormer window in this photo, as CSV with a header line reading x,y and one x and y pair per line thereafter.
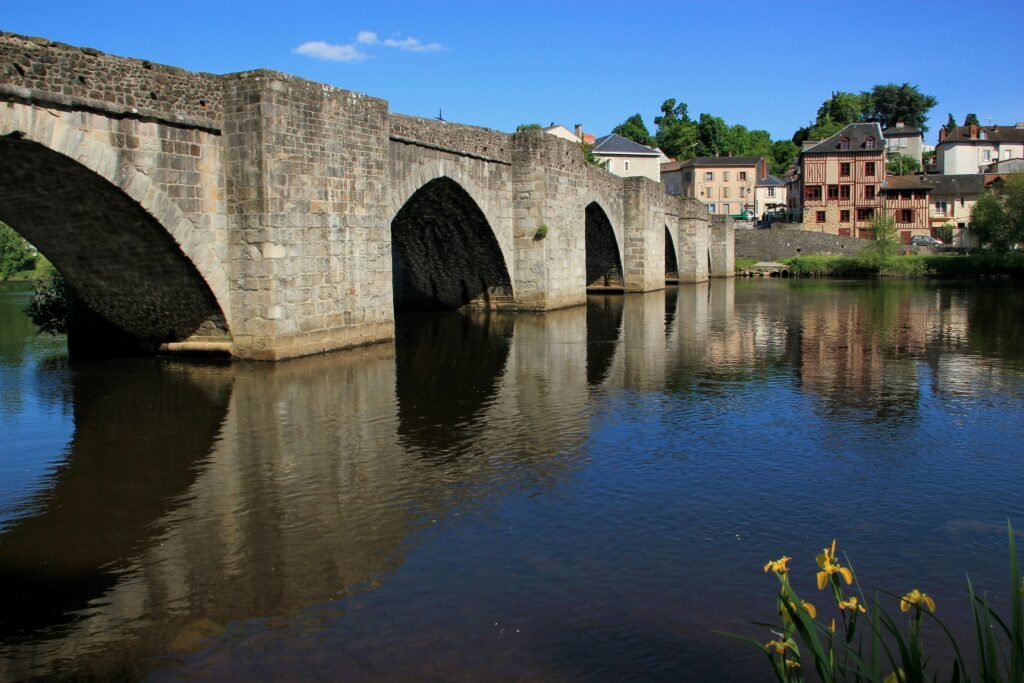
x,y
844,143
982,135
869,143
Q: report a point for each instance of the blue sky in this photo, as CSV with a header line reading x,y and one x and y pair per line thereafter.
x,y
763,64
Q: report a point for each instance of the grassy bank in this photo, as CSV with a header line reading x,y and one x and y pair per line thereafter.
x,y
43,270
870,265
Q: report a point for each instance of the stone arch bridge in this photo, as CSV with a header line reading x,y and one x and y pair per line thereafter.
x,y
269,216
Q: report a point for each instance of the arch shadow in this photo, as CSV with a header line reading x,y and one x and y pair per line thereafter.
x,y
445,255
119,259
671,262
603,264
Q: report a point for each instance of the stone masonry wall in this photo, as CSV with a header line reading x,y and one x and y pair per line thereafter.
x,y
36,68
644,231
692,246
772,244
722,246
448,137
308,199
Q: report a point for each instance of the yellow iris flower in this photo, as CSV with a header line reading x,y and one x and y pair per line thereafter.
x,y
916,598
829,566
853,605
895,677
779,566
779,647
808,607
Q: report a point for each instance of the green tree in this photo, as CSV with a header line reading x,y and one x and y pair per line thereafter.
x,y
528,126
885,235
711,136
950,124
971,120
634,129
15,256
901,164
677,133
588,156
844,107
783,155
988,223
48,307
928,158
891,103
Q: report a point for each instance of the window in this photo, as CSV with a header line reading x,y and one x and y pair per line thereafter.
x,y
725,193
625,165
844,169
819,216
844,192
725,176
1006,154
689,176
711,208
986,155
921,195
708,175
743,175
869,143
865,214
906,215
813,192
982,135
844,143
869,169
725,209
903,142
771,191
941,207
833,192
844,216
869,192
905,194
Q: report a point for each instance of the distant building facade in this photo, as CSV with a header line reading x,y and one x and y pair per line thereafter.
x,y
969,149
769,194
838,185
564,133
906,201
627,158
905,140
725,184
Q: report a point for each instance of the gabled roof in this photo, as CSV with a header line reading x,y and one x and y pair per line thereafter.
x,y
992,134
963,184
710,161
616,145
771,181
857,134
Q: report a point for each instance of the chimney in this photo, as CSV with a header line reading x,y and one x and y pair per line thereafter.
x,y
973,132
900,124
579,130
942,134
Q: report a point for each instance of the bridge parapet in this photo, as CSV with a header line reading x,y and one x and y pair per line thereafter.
x,y
36,69
463,140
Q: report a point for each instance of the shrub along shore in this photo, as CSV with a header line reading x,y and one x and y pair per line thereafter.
x,y
870,264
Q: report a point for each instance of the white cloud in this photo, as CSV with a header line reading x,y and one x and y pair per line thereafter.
x,y
367,38
332,53
413,45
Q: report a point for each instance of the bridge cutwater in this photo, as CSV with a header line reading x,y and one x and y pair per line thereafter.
x,y
270,217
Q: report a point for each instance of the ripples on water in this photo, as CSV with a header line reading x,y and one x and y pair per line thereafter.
x,y
583,495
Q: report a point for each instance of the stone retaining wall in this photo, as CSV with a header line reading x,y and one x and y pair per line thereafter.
x,y
773,244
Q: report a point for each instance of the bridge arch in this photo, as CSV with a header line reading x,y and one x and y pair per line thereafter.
x,y
603,251
128,251
671,260
445,254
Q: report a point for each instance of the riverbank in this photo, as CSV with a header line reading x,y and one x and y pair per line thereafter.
x,y
43,270
908,266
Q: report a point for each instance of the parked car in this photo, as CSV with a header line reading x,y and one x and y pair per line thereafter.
x,y
925,241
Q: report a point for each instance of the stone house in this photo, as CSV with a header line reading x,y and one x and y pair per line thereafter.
x,y
969,149
626,158
905,140
839,181
725,184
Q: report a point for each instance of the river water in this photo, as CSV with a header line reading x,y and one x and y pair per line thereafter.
x,y
585,495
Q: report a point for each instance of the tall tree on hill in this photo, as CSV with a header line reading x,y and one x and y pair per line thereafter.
x,y
783,154
971,120
891,103
950,124
634,129
677,133
711,136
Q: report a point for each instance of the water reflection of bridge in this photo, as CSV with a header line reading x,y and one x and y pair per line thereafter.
x,y
244,492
